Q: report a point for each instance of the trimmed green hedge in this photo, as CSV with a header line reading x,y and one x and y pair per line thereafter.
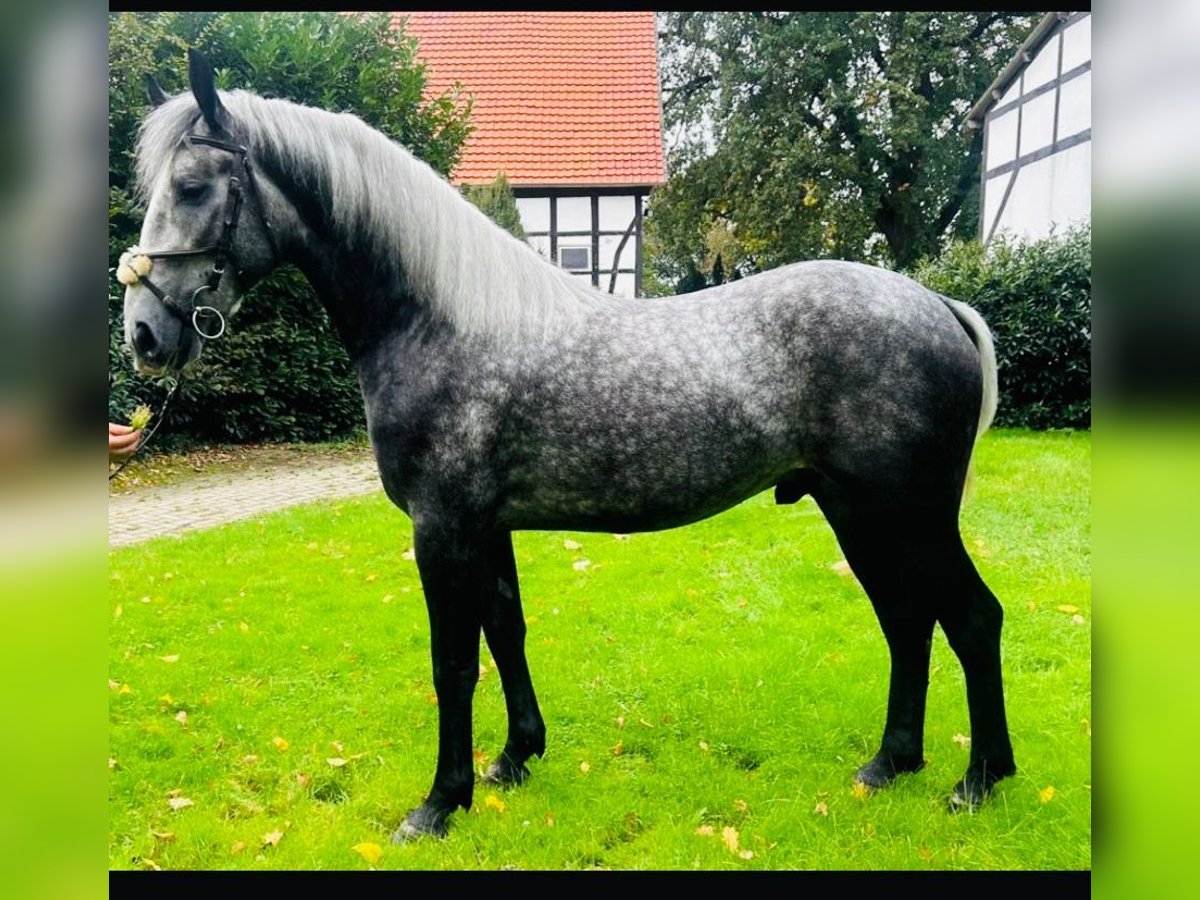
x,y
281,373
1037,299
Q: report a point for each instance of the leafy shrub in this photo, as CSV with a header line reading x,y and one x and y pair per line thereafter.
x,y
280,374
498,202
1037,299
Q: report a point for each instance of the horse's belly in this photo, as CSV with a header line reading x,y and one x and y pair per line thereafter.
x,y
650,498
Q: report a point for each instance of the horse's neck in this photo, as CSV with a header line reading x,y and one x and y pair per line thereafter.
x,y
365,305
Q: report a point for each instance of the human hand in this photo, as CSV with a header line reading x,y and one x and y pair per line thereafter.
x,y
122,441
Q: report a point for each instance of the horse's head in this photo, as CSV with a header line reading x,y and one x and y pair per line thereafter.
x,y
207,235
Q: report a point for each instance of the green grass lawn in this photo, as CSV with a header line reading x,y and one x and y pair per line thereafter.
x,y
709,684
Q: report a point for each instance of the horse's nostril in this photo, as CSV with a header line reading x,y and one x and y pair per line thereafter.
x,y
144,341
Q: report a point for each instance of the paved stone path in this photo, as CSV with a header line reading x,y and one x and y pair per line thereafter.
x,y
209,500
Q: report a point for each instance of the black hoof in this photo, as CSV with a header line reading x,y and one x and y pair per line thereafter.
x,y
424,821
883,769
505,773
974,788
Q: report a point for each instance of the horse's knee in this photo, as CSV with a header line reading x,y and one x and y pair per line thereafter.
x,y
455,681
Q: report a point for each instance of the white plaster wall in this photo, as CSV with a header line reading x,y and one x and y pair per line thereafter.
x,y
1001,140
1051,193
574,214
1075,106
535,213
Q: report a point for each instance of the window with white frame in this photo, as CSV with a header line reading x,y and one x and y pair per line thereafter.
x,y
575,259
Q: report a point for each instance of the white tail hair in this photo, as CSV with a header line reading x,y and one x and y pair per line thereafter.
x,y
982,337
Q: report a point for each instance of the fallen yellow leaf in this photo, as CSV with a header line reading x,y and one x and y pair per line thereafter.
x,y
843,568
372,853
729,837
338,746
117,612
409,554
618,748
1078,619
280,743
494,802
620,721
1048,794
178,803
245,627
181,717
166,836
704,746
962,740
112,762
704,830
125,689
170,658
388,598
531,620
569,544
581,565
166,700
250,758
741,806
1067,608
821,808
549,820
150,864
585,767
747,854
620,537
113,685
237,848
860,790
272,838
302,779
336,761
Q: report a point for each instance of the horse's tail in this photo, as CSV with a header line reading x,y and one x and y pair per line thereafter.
x,y
982,337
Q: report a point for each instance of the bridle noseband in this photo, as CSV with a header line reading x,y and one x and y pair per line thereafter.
x,y
129,272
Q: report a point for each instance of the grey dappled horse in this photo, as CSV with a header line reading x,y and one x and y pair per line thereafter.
x,y
501,395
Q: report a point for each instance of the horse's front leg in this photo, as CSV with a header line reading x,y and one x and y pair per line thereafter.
x,y
454,571
504,628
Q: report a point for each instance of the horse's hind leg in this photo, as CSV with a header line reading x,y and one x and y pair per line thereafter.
x,y
888,564
913,566
972,618
504,628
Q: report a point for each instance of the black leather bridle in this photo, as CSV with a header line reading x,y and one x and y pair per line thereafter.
x,y
192,313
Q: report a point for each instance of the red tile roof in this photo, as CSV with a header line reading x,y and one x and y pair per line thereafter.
x,y
561,98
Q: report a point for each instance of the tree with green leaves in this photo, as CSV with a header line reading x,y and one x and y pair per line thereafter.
x,y
281,373
498,202
823,134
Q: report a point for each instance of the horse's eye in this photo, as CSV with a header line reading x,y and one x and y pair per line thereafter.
x,y
192,191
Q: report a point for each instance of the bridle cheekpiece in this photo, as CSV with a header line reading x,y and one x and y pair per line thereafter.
x,y
136,264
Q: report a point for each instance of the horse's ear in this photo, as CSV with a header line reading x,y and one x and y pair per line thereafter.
x,y
157,96
204,89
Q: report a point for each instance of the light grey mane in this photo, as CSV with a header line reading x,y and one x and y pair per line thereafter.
x,y
455,259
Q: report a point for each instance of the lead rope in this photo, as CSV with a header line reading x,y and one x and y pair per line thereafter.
x,y
158,420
